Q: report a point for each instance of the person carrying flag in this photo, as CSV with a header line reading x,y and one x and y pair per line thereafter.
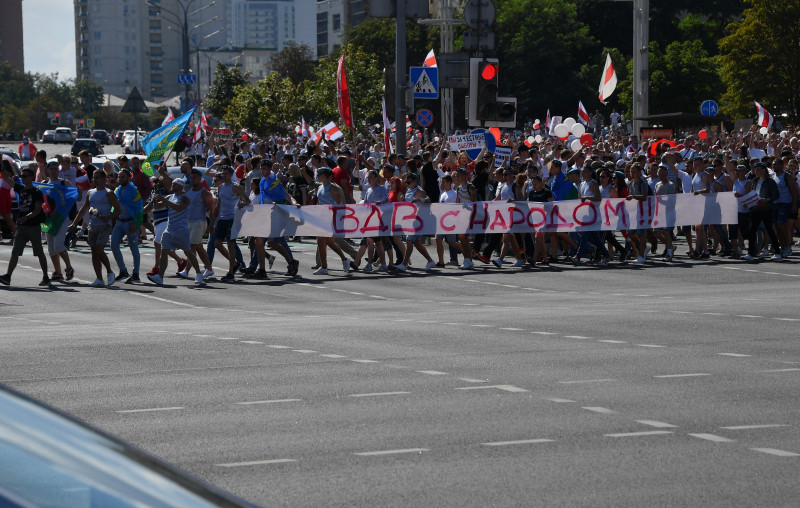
x,y
128,223
56,247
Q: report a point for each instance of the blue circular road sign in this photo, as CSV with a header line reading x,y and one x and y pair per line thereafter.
x,y
709,108
491,143
424,117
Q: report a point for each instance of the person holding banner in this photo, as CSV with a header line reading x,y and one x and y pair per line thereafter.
x,y
590,191
328,193
56,247
763,212
415,194
508,191
741,188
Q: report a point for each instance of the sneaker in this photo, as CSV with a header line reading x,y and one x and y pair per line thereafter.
x,y
123,275
295,267
382,269
228,277
208,273
575,260
705,255
155,279
623,257
543,262
181,265
110,278
453,262
764,253
320,271
483,259
498,263
260,274
270,260
56,277
133,278
198,280
153,271
605,260
5,280
737,254
442,265
69,272
519,263
183,274
468,264
646,251
368,268
346,265
401,267
669,255
640,260
97,283
45,281
776,257
748,257
430,266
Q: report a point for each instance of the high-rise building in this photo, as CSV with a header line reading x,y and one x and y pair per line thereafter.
x,y
270,24
11,34
332,18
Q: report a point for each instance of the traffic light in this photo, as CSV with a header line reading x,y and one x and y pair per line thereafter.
x,y
486,109
486,106
58,118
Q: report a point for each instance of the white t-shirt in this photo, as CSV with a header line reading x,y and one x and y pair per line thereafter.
x,y
448,196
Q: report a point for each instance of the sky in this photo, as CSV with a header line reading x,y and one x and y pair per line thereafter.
x,y
48,32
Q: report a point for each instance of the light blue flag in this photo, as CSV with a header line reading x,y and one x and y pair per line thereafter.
x,y
161,140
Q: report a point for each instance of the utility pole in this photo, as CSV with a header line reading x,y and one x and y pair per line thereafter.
x,y
641,63
400,78
446,43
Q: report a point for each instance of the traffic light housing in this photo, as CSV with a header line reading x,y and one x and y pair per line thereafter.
x,y
486,109
486,106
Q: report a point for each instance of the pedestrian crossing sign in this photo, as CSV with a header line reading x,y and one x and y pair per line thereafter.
x,y
425,82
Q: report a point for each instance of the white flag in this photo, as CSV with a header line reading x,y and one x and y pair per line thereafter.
x,y
608,82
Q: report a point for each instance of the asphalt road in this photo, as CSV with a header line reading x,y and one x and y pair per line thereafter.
x,y
663,385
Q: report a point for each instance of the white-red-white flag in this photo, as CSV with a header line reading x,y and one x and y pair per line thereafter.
x,y
170,117
387,131
608,81
583,115
764,118
303,127
202,126
430,60
547,120
554,122
331,131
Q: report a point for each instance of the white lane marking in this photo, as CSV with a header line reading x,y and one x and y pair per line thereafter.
x,y
737,355
636,434
392,452
712,437
556,399
512,329
576,337
481,326
229,338
782,370
746,427
650,345
201,335
585,381
613,341
334,356
517,442
505,388
165,300
276,401
377,297
452,324
401,320
713,314
146,410
472,380
683,375
426,322
785,319
154,331
545,333
603,410
365,361
680,312
275,346
256,463
747,316
378,394
657,424
250,342
433,372
508,286
773,451
305,351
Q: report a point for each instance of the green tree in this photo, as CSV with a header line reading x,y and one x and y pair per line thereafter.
x,y
365,82
223,88
377,36
295,62
88,95
760,59
17,87
265,107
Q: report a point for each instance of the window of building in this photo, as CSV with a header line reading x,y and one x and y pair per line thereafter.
x,y
97,36
337,22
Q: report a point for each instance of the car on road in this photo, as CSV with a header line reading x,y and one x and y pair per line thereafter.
x,y
102,136
49,458
48,136
129,141
88,144
6,153
63,135
83,133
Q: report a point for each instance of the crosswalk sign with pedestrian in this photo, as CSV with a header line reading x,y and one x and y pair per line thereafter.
x,y
425,82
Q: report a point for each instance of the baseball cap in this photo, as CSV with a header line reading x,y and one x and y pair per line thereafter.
x,y
179,182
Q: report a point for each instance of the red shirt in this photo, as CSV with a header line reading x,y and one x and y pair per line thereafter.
x,y
341,178
5,197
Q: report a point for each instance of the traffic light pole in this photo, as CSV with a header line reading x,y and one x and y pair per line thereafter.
x,y
400,79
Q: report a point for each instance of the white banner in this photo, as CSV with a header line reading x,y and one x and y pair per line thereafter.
x,y
362,220
467,142
749,200
500,155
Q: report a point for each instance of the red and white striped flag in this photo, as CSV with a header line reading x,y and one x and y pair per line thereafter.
x,y
387,135
764,118
583,115
608,81
170,117
430,60
202,126
5,185
303,127
331,131
547,120
82,180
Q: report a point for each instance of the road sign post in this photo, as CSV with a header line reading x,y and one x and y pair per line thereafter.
x,y
424,82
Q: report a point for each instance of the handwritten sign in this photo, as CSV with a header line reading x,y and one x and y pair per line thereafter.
x,y
749,200
467,142
501,154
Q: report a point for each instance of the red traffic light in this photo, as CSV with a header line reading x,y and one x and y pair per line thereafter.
x,y
58,115
489,72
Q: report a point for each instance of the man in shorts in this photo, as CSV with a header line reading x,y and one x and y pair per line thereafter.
x,y
28,226
56,247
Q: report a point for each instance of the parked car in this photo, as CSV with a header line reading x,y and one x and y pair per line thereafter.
x,y
49,136
63,135
6,152
49,458
129,141
118,137
101,136
83,133
88,144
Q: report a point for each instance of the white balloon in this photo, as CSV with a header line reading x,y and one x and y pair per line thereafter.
x,y
562,131
763,130
436,139
311,130
569,122
538,138
578,130
537,121
576,145
531,139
